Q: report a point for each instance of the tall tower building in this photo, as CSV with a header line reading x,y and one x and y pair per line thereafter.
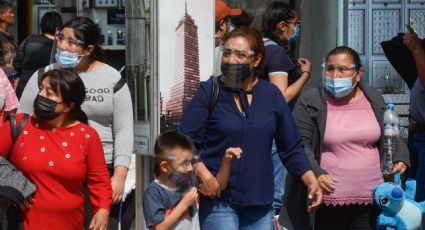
x,y
186,79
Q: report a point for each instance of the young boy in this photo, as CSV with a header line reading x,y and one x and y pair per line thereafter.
x,y
170,201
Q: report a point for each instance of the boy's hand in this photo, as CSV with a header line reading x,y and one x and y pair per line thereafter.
x,y
190,197
231,153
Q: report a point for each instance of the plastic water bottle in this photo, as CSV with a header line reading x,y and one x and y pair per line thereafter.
x,y
391,135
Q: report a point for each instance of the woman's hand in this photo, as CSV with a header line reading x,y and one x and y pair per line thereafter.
x,y
399,167
100,220
326,183
208,185
118,183
315,194
305,65
27,203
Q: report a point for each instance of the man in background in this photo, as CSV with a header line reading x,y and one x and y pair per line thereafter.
x,y
223,25
36,51
417,111
7,43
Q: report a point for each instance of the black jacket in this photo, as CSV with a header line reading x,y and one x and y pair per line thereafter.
x,y
33,53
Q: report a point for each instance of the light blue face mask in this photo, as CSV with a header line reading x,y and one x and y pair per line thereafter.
x,y
339,87
231,27
292,39
67,59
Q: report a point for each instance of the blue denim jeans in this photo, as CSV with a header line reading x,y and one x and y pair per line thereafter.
x,y
216,214
418,145
280,173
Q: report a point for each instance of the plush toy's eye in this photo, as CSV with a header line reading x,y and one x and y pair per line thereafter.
x,y
384,201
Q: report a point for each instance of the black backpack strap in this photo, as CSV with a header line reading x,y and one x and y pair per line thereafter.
x,y
215,89
15,129
119,84
21,126
40,73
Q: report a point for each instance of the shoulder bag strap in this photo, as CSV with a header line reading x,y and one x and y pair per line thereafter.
x,y
16,130
215,89
119,84
12,119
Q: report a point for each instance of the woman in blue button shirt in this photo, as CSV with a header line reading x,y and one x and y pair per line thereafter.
x,y
250,113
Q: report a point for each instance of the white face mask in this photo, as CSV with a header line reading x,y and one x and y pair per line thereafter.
x,y
67,59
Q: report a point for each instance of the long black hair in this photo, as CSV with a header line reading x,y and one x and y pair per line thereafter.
x,y
87,31
69,85
275,13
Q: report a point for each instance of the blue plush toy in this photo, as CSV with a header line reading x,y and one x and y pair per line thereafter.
x,y
399,210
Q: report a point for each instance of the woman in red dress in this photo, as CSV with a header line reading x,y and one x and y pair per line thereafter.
x,y
60,153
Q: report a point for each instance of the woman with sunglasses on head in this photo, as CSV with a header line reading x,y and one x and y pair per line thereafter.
x,y
249,114
109,112
60,153
341,123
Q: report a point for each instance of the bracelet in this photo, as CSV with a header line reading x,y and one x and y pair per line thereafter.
x,y
306,72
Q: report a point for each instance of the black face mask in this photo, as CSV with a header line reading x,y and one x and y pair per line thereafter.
x,y
235,75
183,181
44,108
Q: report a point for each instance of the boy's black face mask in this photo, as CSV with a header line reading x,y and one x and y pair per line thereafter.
x,y
183,180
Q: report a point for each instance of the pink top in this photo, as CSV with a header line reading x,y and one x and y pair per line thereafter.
x,y
6,90
350,154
